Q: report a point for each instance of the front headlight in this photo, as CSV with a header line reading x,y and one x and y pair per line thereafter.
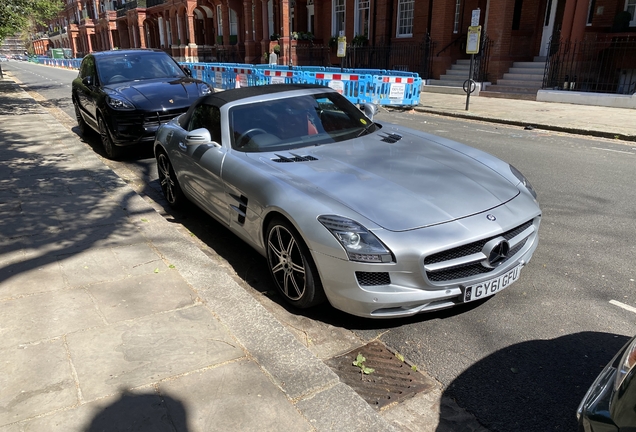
x,y
361,244
118,103
204,89
523,180
627,363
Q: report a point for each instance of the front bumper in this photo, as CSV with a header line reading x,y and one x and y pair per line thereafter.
x,y
135,127
406,287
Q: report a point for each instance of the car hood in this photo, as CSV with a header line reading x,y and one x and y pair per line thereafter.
x,y
154,95
403,185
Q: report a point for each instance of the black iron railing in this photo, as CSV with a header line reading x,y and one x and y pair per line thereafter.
x,y
312,55
459,43
134,4
482,60
406,57
604,65
231,54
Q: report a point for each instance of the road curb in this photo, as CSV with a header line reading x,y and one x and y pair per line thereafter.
x,y
576,131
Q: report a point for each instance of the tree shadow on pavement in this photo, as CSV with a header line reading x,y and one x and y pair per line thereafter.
x,y
532,386
141,412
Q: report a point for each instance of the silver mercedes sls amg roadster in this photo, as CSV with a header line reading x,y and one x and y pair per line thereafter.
x,y
380,220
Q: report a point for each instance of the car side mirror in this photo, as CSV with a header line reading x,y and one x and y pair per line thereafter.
x,y
88,81
187,71
198,137
370,110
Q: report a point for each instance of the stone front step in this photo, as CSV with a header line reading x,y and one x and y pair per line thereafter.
x,y
457,72
530,65
509,95
514,75
447,83
443,89
520,83
512,89
526,71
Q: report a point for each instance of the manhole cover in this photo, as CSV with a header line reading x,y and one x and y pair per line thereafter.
x,y
391,382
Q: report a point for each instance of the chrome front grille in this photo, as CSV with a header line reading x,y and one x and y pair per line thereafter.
x,y
465,261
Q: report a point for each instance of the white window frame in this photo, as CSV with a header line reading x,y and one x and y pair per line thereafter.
x,y
458,6
233,23
219,21
362,5
338,7
590,13
631,4
403,21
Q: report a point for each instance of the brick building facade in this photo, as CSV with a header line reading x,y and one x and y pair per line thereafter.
x,y
241,30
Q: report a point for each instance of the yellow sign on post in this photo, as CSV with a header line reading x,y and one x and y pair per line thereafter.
x,y
473,40
342,46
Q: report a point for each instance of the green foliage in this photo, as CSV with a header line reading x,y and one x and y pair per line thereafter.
x,y
18,15
359,40
302,36
359,362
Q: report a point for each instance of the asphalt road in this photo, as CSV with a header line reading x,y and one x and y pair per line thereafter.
x,y
523,359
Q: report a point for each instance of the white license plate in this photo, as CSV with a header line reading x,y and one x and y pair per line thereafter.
x,y
492,286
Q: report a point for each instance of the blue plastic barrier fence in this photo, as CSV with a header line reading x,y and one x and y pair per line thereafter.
x,y
273,76
198,70
242,77
367,71
396,90
355,87
219,76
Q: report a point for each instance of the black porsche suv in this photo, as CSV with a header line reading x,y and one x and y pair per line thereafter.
x,y
125,95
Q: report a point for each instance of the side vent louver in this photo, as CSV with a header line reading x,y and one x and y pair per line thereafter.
x,y
293,158
243,209
391,138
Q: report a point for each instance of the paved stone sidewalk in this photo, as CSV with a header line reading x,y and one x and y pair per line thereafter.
x,y
598,121
112,320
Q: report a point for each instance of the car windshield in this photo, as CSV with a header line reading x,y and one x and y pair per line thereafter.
x,y
295,122
116,68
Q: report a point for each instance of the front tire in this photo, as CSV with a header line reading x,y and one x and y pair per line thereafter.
x,y
168,181
112,151
292,267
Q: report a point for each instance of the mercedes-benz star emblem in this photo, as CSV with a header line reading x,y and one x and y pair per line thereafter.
x,y
170,100
491,217
496,251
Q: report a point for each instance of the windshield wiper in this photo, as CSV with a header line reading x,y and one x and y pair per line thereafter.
x,y
366,129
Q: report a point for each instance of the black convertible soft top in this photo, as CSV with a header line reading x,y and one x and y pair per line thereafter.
x,y
221,98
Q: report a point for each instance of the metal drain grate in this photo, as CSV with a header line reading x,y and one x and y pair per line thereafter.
x,y
391,382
